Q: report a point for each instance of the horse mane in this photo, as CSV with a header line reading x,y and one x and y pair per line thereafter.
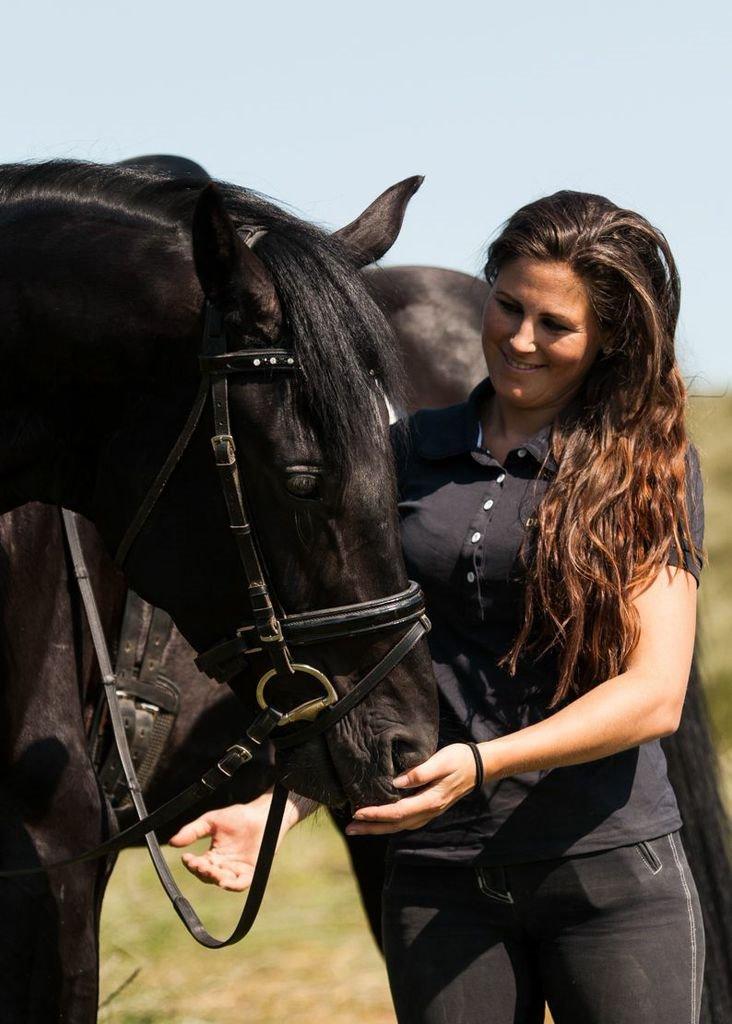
x,y
342,338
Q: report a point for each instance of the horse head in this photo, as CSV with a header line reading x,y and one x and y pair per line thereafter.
x,y
106,276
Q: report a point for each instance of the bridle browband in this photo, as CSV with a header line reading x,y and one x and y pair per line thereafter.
x,y
271,631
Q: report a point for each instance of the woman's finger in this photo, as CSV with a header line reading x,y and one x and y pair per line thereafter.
x,y
198,867
426,801
428,771
239,882
194,830
208,871
214,873
381,828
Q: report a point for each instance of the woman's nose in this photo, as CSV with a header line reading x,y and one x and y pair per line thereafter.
x,y
523,339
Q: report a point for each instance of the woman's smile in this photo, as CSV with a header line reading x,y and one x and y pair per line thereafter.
x,y
540,338
522,367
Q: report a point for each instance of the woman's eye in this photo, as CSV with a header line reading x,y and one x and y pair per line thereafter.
x,y
303,485
554,326
508,306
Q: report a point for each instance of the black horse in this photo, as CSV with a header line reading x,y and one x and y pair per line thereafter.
x,y
103,274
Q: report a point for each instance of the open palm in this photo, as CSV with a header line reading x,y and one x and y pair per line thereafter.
x,y
236,835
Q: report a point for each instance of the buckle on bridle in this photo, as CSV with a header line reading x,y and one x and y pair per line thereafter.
x,y
224,450
275,636
233,759
309,709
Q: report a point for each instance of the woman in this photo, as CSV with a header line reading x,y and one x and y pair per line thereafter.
x,y
555,523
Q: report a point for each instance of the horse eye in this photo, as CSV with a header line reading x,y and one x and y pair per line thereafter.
x,y
303,485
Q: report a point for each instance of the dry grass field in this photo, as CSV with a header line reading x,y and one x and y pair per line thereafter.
x,y
310,957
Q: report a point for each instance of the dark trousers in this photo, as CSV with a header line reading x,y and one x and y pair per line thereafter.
x,y
613,937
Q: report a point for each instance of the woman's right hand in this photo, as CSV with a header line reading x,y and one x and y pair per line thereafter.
x,y
236,835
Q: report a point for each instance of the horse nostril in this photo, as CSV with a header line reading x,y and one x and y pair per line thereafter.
x,y
403,755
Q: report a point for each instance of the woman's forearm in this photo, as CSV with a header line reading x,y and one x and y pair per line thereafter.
x,y
622,712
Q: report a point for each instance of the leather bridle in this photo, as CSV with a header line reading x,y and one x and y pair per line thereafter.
x,y
271,631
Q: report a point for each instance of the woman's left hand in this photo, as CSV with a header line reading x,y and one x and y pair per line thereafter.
x,y
442,780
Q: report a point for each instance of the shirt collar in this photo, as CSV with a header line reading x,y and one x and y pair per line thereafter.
x,y
455,431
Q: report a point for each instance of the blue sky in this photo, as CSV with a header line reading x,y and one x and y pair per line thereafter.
x,y
324,104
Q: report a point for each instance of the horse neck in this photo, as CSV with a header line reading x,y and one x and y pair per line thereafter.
x,y
97,327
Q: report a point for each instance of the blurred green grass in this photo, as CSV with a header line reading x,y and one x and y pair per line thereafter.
x,y
711,428
311,955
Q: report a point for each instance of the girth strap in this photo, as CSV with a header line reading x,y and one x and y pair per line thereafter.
x,y
149,701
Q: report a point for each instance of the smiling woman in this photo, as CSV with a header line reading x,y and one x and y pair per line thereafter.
x,y
540,337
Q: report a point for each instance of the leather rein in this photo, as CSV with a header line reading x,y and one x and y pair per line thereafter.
x,y
269,632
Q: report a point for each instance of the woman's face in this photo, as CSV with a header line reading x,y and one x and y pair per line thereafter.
x,y
540,336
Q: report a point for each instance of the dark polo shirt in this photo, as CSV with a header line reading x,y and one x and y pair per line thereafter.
x,y
463,517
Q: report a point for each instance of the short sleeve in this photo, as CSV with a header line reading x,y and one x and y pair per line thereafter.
x,y
695,512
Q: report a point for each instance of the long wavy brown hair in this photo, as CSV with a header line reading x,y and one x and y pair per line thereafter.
x,y
616,506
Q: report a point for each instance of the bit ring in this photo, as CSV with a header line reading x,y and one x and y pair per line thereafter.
x,y
309,709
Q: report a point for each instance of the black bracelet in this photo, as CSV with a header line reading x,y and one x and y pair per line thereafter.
x,y
479,770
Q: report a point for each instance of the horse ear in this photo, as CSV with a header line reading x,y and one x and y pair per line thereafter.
x,y
230,274
375,231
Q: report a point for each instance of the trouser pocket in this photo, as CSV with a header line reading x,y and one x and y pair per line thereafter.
x,y
649,856
492,883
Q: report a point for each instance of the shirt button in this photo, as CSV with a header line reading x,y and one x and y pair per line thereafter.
x,y
475,538
521,452
488,504
500,478
471,577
